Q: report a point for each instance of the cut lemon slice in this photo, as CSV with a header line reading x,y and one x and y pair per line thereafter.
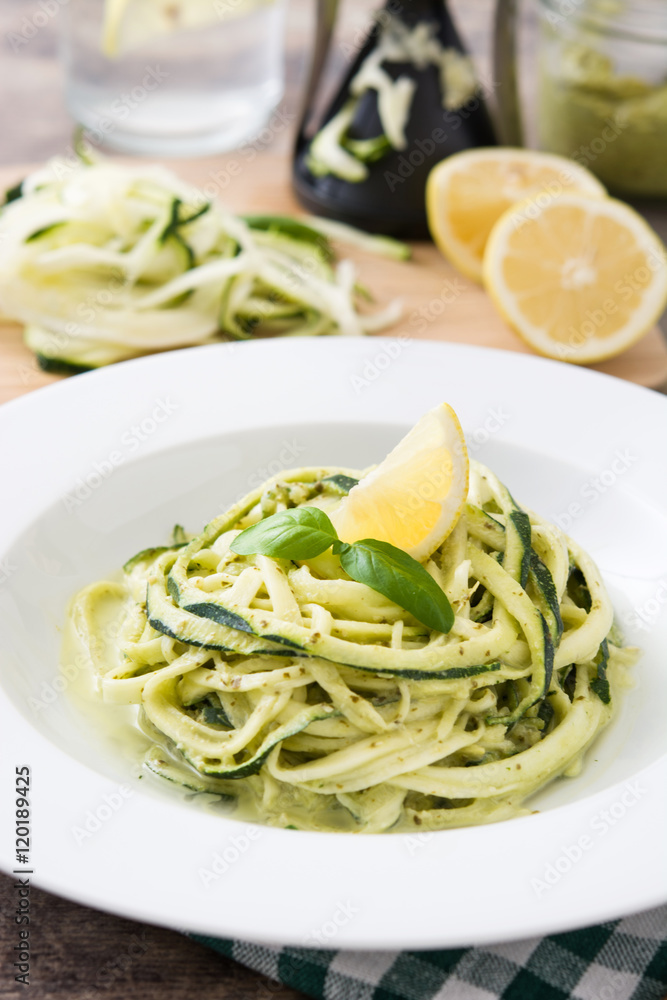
x,y
414,497
580,279
114,13
467,193
129,24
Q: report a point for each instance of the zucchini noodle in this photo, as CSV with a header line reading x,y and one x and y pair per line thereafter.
x,y
103,262
315,702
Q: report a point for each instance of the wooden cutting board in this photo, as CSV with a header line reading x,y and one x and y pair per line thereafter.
x,y
438,302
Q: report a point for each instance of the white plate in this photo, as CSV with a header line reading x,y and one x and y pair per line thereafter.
x,y
104,464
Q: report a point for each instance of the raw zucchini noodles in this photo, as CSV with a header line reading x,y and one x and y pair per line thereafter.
x,y
103,262
314,702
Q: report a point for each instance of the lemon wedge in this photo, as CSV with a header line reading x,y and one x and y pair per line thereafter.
x,y
414,498
468,192
579,279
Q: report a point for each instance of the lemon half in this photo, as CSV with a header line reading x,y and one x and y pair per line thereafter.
x,y
579,279
468,192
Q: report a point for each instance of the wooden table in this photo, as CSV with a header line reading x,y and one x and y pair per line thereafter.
x,y
84,954
80,953
438,302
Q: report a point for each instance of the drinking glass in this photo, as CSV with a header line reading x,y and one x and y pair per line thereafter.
x,y
173,77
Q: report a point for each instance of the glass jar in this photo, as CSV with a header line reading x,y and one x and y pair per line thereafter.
x,y
173,77
602,93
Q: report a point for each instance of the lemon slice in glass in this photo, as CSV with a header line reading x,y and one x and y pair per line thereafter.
x,y
128,24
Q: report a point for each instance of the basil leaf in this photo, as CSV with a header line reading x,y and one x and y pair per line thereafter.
x,y
297,533
398,576
306,532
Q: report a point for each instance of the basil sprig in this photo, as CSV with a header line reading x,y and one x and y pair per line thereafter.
x,y
306,532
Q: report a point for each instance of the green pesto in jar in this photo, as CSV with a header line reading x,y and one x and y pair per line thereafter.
x,y
614,125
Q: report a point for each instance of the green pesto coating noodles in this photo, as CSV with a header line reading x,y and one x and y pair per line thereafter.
x,y
312,701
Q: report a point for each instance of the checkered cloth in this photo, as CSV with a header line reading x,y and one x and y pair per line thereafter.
x,y
621,960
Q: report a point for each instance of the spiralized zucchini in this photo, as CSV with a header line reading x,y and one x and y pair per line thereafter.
x,y
317,703
104,262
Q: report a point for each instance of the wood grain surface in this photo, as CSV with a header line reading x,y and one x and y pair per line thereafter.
x,y
84,954
438,302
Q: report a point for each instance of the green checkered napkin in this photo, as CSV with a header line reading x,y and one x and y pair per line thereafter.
x,y
621,960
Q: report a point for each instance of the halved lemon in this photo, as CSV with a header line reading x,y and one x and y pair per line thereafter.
x,y
579,279
415,496
468,192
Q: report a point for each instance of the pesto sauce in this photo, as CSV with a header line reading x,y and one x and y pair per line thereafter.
x,y
614,125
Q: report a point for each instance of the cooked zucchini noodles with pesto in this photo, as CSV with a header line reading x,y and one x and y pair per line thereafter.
x,y
317,703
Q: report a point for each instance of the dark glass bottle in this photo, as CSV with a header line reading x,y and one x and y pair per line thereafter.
x,y
391,198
